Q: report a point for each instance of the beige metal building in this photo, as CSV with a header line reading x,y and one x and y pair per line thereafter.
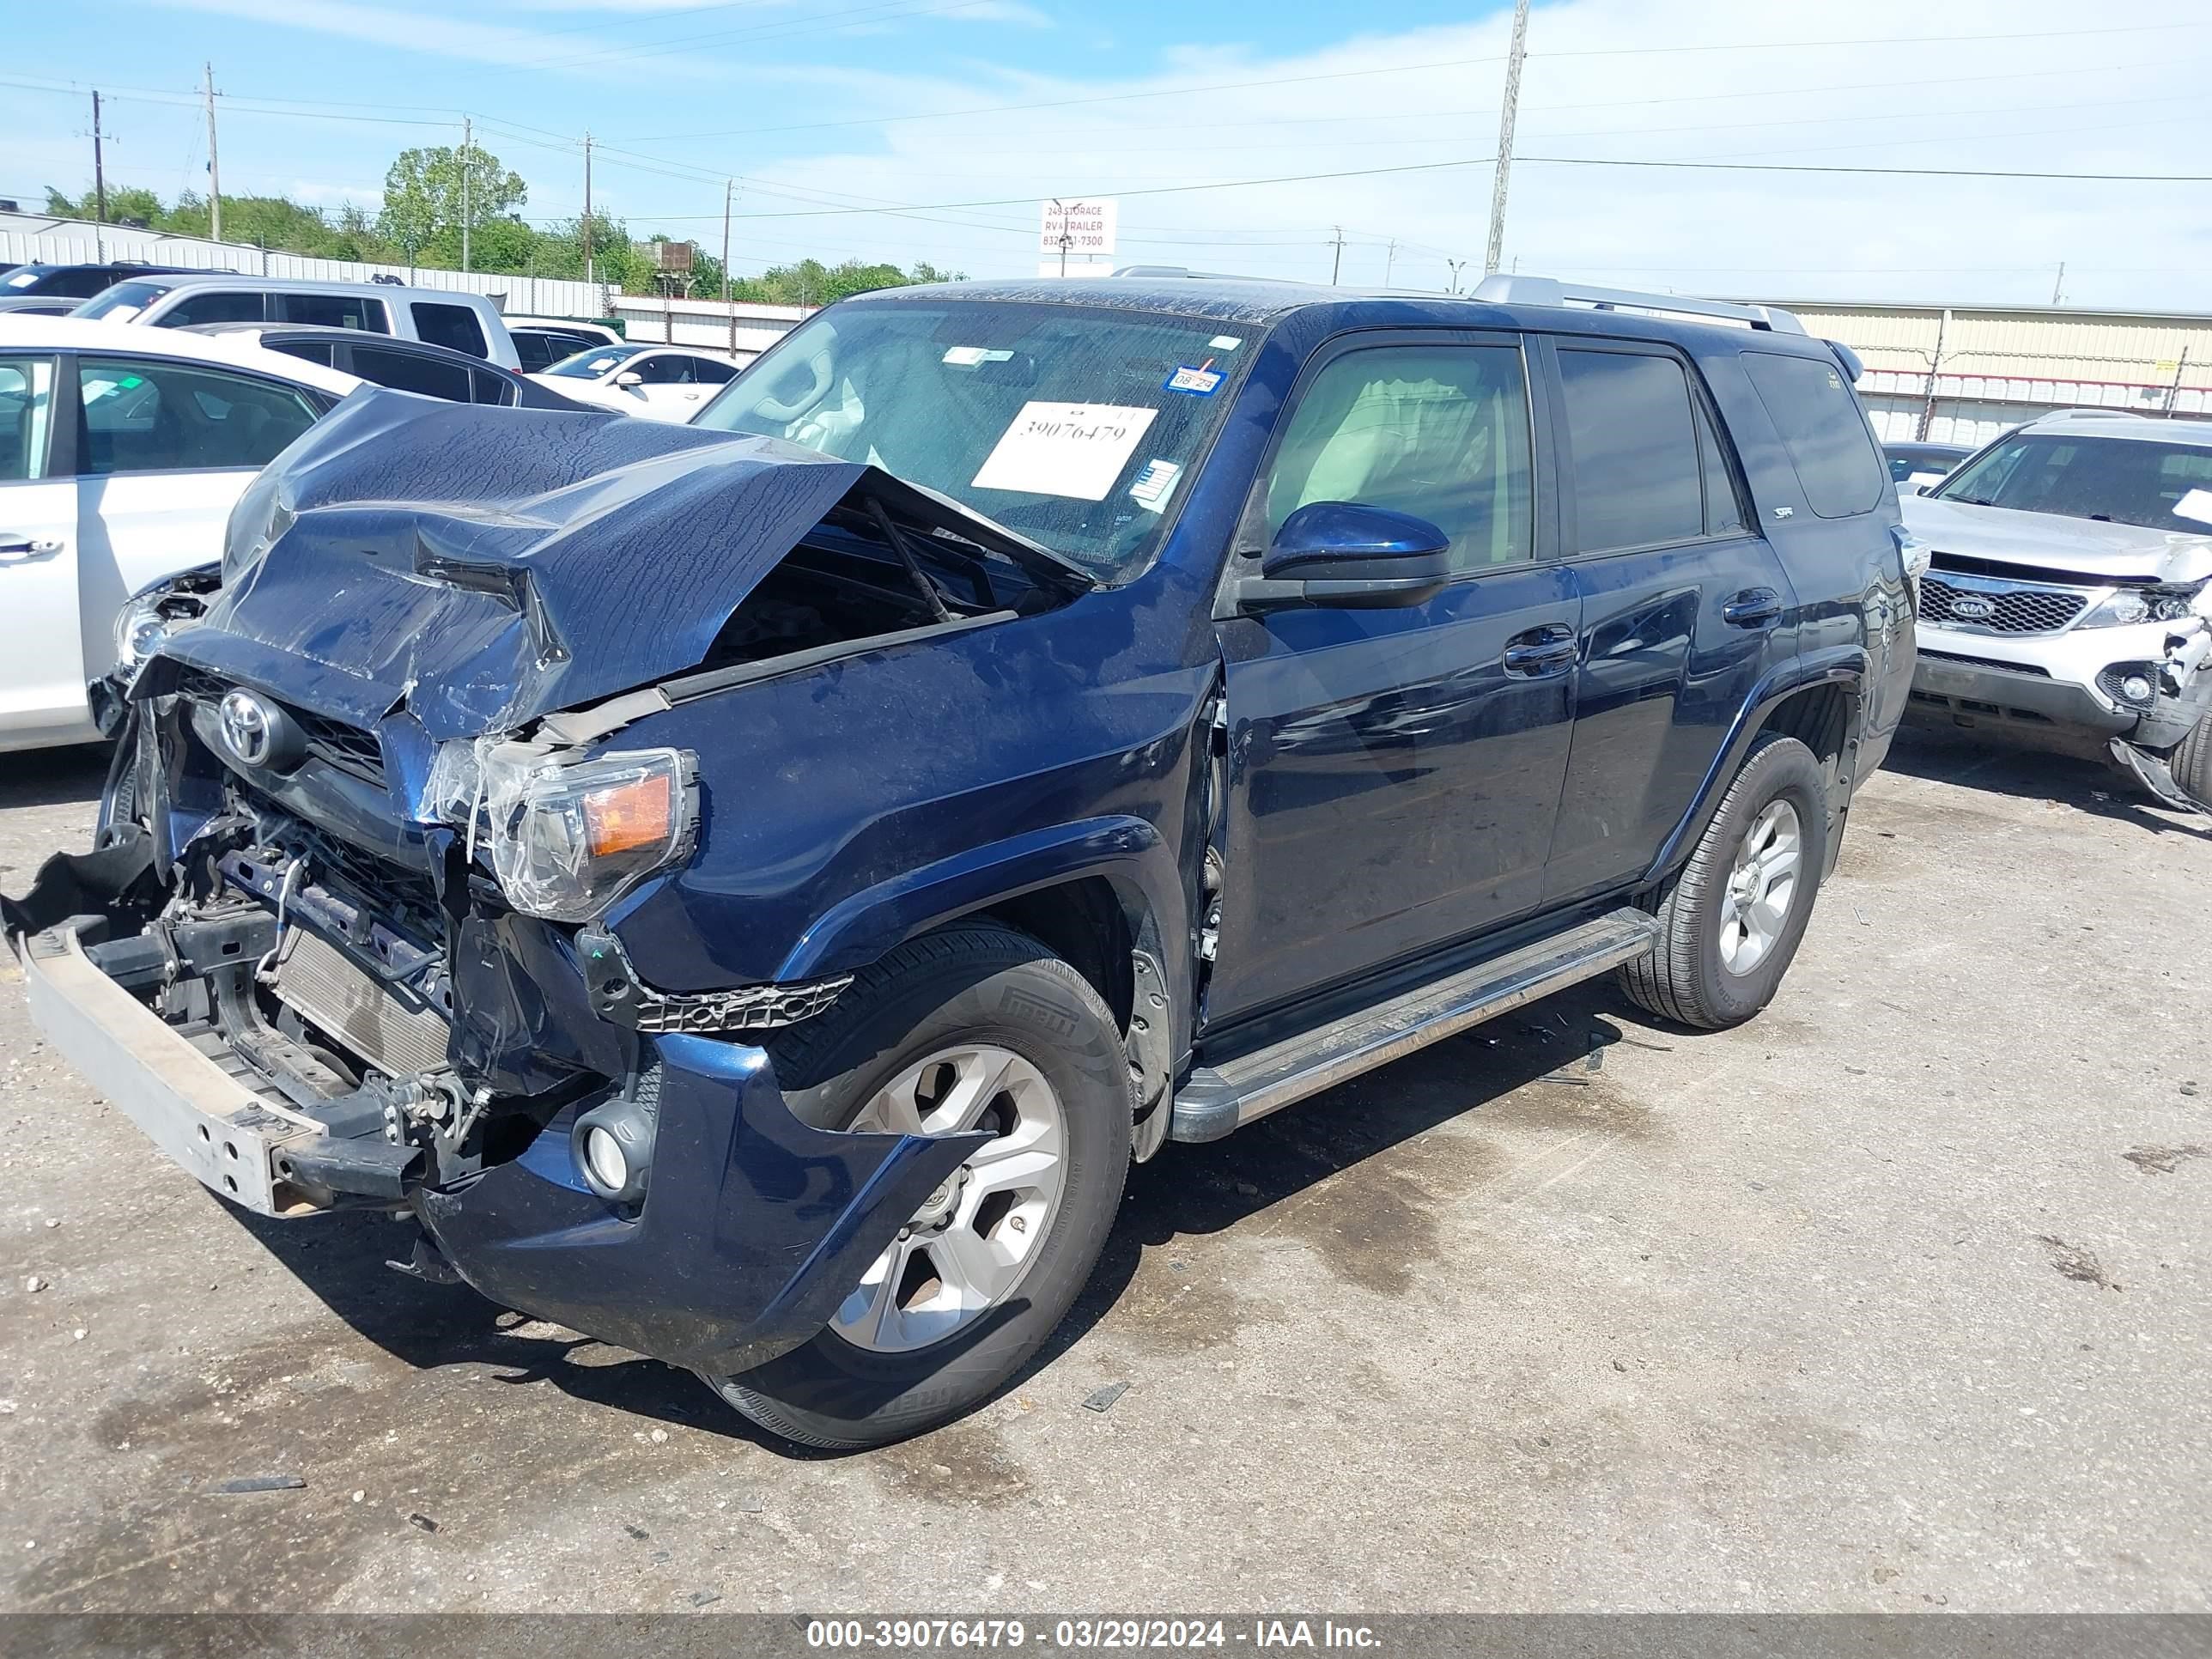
x,y
1964,374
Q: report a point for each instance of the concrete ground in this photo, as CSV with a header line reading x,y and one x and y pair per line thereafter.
x,y
1897,1299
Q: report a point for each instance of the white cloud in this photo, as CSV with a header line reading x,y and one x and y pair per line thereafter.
x,y
1605,79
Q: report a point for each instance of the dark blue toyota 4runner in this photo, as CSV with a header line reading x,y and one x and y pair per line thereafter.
x,y
747,892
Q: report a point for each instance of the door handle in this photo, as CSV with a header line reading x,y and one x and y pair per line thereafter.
x,y
17,550
1755,607
1540,651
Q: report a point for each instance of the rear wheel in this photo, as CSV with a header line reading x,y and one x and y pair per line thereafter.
x,y
975,1027
1733,918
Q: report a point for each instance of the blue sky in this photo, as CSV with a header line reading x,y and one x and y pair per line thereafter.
x,y
927,128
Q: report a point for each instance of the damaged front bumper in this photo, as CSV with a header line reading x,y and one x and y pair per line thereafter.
x,y
753,1229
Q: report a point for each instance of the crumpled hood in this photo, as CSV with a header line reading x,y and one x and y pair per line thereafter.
x,y
481,566
2096,549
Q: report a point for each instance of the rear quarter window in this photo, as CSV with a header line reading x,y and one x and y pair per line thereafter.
x,y
452,326
1821,425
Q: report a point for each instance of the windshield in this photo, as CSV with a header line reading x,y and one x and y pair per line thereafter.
x,y
2119,480
122,302
589,365
1072,425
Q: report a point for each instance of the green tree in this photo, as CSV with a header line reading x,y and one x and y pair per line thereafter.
x,y
427,191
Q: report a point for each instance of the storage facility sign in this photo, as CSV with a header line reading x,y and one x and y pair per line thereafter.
x,y
1080,229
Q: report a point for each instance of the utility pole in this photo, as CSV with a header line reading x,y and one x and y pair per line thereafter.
x,y
468,131
98,183
1336,264
1504,163
215,173
2057,287
587,207
1390,260
729,187
1934,364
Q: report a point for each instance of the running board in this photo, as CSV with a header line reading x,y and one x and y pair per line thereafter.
x,y
1216,1101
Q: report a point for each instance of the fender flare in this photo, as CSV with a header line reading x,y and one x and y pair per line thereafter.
x,y
1129,852
1847,665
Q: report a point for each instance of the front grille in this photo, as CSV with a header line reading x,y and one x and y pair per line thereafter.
x,y
348,748
2014,608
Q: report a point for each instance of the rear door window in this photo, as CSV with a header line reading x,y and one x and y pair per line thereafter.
x,y
334,310
311,351
538,352
1824,430
215,306
408,371
455,327
1638,477
140,415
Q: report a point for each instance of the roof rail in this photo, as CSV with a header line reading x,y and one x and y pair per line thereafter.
x,y
1550,291
2090,412
1185,271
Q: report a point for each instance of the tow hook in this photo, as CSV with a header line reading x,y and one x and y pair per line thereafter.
x,y
427,1263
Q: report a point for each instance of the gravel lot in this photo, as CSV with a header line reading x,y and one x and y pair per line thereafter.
x,y
1896,1298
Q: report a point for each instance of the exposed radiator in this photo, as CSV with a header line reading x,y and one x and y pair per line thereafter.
x,y
316,979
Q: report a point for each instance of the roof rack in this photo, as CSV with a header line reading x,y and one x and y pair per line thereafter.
x,y
1550,291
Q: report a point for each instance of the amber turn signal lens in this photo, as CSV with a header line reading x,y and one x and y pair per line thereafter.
x,y
624,816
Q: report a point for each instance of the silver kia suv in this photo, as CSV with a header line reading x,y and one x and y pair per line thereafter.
x,y
2068,603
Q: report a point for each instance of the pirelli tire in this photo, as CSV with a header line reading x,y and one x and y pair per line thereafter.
x,y
1728,929
976,1025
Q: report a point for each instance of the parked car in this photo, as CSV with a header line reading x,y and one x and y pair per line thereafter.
x,y
542,342
38,305
2067,605
77,282
1914,467
461,322
121,456
402,365
662,383
749,892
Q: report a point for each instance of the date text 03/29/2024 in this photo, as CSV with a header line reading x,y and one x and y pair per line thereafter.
x,y
1088,1634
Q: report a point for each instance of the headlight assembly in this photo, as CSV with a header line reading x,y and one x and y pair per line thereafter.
x,y
2167,602
568,837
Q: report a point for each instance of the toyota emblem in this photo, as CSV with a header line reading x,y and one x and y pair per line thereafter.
x,y
1970,607
249,727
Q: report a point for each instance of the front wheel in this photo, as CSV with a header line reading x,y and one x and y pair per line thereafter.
x,y
974,1027
2191,765
1733,918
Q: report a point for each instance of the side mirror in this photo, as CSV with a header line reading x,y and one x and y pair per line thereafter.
x,y
1347,555
630,377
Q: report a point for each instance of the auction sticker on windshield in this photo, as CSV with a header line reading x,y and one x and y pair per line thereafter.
x,y
1075,450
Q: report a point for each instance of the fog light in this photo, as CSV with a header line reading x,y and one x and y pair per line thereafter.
x,y
2136,689
614,1149
602,1156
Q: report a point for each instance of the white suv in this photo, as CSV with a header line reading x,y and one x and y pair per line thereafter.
x,y
2068,603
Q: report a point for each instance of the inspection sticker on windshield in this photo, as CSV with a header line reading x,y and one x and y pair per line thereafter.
x,y
2196,504
1153,483
1202,382
1075,450
1227,342
971,356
